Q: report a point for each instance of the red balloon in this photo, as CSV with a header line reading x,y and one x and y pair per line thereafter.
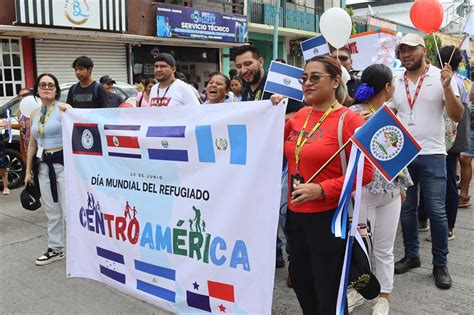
x,y
427,15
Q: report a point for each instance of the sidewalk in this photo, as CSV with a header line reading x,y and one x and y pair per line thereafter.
x,y
28,289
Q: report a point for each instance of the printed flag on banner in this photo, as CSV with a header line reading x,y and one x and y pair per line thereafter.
x,y
313,47
283,79
172,143
86,139
386,143
230,144
122,141
112,261
219,298
156,280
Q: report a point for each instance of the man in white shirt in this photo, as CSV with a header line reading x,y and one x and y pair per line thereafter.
x,y
421,96
170,91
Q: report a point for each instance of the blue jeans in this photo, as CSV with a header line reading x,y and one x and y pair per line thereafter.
x,y
428,173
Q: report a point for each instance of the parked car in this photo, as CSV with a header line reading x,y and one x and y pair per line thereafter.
x,y
16,166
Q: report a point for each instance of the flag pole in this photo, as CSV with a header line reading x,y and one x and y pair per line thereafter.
x,y
437,50
327,162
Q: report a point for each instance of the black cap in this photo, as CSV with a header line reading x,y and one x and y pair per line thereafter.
x,y
166,58
30,197
361,277
106,80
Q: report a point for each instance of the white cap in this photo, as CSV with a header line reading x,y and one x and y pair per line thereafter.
x,y
412,39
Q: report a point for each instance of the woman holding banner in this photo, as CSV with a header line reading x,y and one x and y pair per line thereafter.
x,y
311,138
46,144
381,201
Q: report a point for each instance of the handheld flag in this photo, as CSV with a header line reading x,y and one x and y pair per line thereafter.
x,y
386,143
469,26
283,79
313,47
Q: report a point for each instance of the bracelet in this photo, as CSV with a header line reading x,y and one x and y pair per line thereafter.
x,y
323,194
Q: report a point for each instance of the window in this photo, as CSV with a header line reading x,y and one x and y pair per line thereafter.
x,y
11,73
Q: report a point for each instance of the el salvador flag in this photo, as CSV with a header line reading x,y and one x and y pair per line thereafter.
x,y
386,143
283,79
313,47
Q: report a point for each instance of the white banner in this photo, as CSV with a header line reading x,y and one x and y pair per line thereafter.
x,y
176,206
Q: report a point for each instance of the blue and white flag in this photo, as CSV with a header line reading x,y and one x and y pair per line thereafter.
x,y
283,79
469,26
313,47
386,143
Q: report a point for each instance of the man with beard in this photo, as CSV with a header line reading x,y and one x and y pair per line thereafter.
x,y
249,63
344,57
422,94
170,91
87,93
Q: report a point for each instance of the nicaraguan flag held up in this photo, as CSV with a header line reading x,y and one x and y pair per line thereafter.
x,y
283,79
386,143
313,47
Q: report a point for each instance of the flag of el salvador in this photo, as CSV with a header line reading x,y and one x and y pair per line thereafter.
x,y
171,145
386,143
313,47
283,79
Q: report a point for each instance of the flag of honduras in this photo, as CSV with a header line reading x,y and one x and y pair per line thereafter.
x,y
111,264
313,47
386,143
283,79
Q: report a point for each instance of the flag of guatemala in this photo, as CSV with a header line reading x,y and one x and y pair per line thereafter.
x,y
283,79
86,139
313,47
386,143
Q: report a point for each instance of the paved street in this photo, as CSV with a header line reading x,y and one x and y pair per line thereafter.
x,y
27,289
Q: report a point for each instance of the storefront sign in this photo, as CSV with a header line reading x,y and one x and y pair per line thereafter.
x,y
188,23
74,13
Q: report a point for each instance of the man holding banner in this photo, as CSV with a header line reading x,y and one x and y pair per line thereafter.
x,y
421,96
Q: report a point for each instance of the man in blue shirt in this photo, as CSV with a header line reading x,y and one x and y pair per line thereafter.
x,y
108,85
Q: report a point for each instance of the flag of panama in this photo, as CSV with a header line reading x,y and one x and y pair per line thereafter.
x,y
111,263
156,280
228,143
313,47
218,297
172,145
283,79
122,141
386,143
86,139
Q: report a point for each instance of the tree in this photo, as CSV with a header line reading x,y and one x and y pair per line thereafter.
x,y
351,14
431,47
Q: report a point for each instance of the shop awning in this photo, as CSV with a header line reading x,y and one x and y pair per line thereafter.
x,y
68,34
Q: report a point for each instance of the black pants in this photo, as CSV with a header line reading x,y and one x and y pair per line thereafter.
x,y
317,257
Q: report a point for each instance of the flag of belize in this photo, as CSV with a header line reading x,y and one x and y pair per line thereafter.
x,y
386,143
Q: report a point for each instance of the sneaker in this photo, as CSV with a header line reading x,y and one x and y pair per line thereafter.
x,y
6,191
354,299
451,235
381,307
464,202
423,226
442,278
49,256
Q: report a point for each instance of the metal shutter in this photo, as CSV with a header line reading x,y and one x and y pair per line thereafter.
x,y
56,57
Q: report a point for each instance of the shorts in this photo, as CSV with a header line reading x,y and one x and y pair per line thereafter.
x,y
470,153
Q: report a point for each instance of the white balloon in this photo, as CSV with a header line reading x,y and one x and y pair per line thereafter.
x,y
28,104
336,26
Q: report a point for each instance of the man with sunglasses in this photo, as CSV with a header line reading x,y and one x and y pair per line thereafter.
x,y
344,57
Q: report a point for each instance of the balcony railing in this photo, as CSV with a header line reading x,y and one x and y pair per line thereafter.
x,y
292,15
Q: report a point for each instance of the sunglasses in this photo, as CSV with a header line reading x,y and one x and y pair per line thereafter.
x,y
343,58
49,86
314,78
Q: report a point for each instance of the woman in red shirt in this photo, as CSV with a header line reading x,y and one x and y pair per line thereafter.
x,y
311,138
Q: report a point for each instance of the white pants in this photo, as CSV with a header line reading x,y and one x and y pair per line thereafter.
x,y
55,211
383,212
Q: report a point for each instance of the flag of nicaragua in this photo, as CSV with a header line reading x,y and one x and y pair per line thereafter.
x,y
386,143
313,47
283,79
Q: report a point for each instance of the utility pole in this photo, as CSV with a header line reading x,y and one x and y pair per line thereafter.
x,y
275,29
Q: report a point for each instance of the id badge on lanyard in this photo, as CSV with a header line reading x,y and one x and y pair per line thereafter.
x,y
411,103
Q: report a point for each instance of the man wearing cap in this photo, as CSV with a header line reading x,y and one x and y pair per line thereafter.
x,y
422,94
108,85
87,93
170,91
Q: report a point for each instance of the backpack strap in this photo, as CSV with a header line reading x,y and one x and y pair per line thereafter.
x,y
341,142
141,99
95,92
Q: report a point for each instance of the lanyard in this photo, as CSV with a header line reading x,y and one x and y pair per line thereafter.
x,y
39,131
158,93
300,142
371,108
418,88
